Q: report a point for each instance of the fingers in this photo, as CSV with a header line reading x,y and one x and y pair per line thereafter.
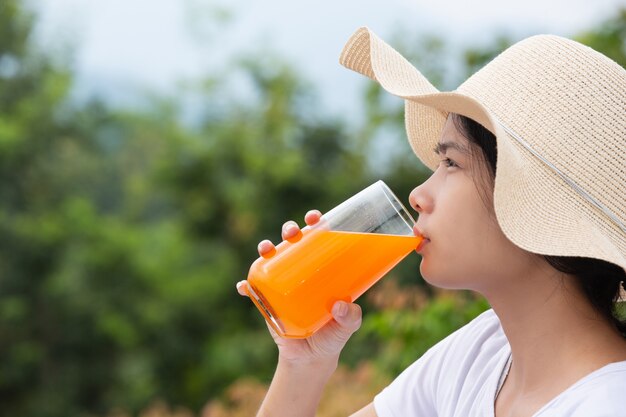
x,y
273,333
242,288
312,217
291,231
347,315
266,248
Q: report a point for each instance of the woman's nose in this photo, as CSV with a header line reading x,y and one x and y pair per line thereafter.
x,y
420,199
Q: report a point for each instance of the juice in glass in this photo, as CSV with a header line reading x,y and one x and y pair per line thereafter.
x,y
296,287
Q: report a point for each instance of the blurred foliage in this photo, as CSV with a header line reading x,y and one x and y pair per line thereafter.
x,y
407,320
347,390
608,38
124,232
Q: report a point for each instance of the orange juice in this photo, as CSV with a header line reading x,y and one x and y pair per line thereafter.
x,y
297,286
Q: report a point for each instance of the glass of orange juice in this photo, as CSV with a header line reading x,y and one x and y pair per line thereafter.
x,y
339,258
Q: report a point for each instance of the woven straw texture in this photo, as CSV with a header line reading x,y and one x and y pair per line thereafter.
x,y
565,101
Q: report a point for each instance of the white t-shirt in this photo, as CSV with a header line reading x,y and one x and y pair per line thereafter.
x,y
459,377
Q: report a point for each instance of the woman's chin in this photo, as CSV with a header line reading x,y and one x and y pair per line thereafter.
x,y
441,279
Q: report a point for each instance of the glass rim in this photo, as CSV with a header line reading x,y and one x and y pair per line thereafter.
x,y
397,205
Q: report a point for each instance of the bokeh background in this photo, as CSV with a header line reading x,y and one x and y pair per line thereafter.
x,y
147,146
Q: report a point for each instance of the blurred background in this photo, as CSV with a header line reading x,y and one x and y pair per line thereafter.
x,y
147,146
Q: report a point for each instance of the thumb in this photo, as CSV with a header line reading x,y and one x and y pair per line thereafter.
x,y
347,315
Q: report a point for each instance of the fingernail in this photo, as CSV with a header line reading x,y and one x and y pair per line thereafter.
x,y
296,235
292,229
340,309
266,249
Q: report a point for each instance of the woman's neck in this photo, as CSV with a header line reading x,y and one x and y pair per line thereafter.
x,y
556,335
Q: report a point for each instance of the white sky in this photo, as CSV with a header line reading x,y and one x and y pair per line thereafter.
x,y
150,44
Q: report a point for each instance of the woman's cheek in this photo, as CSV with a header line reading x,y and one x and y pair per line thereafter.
x,y
441,266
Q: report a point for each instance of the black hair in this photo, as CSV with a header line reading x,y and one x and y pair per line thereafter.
x,y
599,280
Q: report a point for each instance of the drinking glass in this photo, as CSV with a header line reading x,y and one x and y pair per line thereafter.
x,y
339,258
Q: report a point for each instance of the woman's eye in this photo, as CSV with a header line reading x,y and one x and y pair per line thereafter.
x,y
449,163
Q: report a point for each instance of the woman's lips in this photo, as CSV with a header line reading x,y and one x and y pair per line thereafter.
x,y
424,241
421,245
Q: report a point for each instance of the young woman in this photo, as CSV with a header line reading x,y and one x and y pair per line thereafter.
x,y
527,206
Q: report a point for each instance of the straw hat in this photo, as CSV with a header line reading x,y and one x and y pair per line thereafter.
x,y
558,111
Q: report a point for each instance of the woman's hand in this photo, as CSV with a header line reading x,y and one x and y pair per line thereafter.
x,y
325,344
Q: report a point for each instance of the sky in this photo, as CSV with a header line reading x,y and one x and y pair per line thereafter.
x,y
122,47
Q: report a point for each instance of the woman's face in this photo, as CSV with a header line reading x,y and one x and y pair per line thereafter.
x,y
464,246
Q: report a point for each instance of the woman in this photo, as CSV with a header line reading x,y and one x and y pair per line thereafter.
x,y
527,206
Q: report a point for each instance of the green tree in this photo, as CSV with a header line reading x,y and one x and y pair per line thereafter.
x,y
608,37
124,231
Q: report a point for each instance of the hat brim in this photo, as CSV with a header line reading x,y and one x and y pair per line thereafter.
x,y
528,210
426,107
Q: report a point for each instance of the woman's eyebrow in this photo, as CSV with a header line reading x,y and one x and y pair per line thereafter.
x,y
442,147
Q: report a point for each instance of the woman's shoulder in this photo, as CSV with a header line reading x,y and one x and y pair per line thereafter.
x,y
487,321
480,338
479,343
457,373
473,351
485,331
601,393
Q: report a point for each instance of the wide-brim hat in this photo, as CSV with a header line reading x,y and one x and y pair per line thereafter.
x,y
558,111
